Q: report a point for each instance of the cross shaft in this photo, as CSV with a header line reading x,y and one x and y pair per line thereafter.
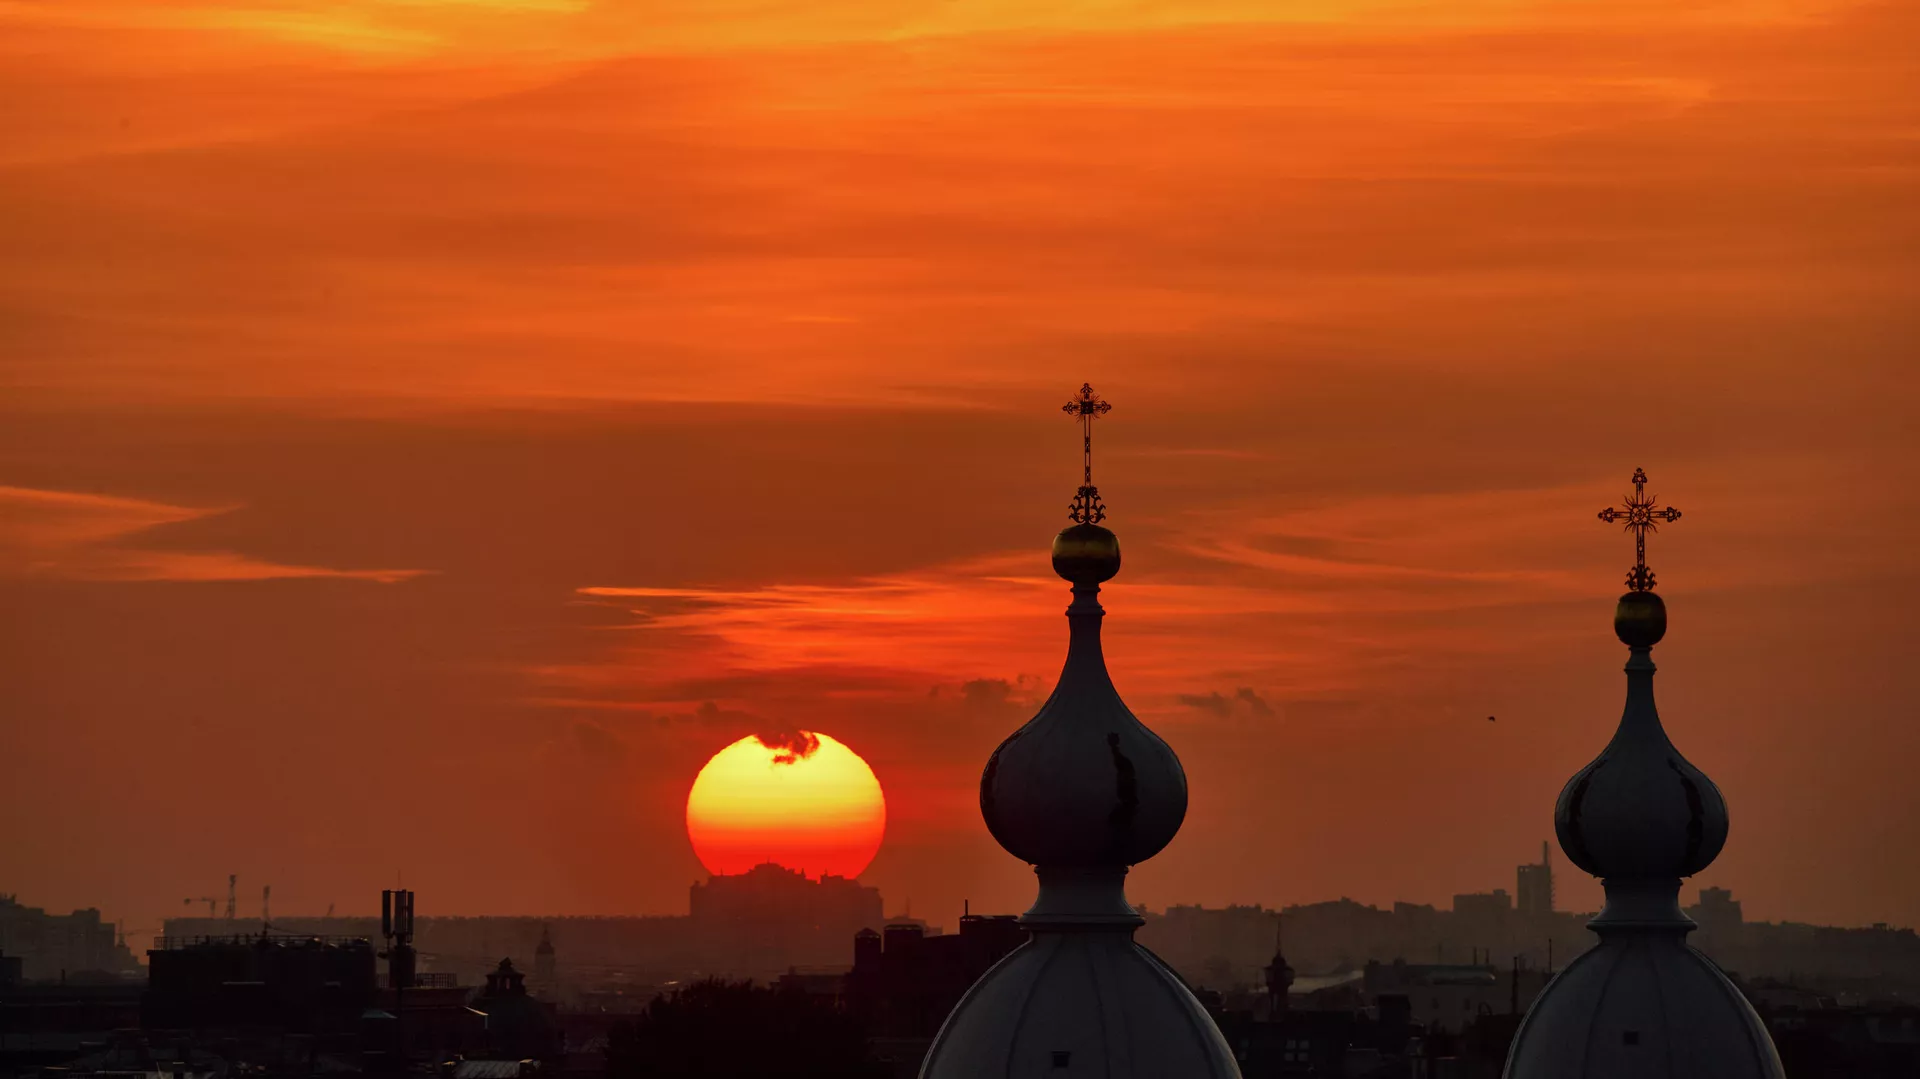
x,y
1640,515
1086,406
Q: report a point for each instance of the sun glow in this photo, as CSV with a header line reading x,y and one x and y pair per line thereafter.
x,y
807,803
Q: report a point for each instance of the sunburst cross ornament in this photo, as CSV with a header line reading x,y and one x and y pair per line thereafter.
x,y
1086,406
1640,515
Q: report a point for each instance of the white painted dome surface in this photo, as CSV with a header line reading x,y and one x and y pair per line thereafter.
x,y
1080,1004
1642,1006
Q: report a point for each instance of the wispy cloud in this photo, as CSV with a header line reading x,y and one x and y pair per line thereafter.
x,y
494,29
980,619
91,537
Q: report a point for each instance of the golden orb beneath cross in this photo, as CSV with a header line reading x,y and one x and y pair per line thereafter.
x,y
1086,554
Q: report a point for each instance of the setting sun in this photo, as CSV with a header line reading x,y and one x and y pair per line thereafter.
x,y
807,803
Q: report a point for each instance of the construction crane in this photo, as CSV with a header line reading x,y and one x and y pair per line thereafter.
x,y
213,902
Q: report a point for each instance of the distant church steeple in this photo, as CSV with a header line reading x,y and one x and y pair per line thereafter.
x,y
545,966
1642,1004
1279,973
1081,792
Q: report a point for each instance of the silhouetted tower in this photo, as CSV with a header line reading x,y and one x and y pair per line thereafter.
x,y
1641,1004
1082,792
544,966
867,950
396,925
233,883
506,981
1279,974
1533,892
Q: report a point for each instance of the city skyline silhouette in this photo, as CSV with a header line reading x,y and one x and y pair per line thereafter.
x,y
436,435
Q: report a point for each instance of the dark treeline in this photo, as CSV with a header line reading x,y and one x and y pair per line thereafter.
x,y
737,1030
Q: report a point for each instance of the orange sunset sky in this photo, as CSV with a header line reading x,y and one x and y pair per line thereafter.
x,y
430,429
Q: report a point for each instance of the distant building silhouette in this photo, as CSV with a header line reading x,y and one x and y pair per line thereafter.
x,y
50,946
1320,1043
310,985
1533,890
1718,913
51,1023
1488,907
1825,1040
772,894
770,918
284,1003
1279,974
1221,947
546,964
749,925
1447,998
737,1030
518,1026
1227,948
905,980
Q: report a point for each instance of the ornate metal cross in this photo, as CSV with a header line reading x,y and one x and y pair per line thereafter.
x,y
1087,407
1640,514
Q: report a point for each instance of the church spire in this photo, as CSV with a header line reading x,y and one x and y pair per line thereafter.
x,y
1082,792
1279,972
1641,1004
1641,810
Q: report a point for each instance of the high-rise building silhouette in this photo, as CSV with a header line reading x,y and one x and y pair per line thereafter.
x,y
905,980
1081,792
57,945
1641,1004
1533,888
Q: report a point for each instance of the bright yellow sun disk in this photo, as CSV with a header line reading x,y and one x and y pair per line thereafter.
x,y
823,813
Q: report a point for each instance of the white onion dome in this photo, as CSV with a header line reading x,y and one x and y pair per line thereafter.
x,y
1642,1004
1084,783
1641,809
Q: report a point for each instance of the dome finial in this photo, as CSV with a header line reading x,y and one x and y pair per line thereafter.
x,y
1085,552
